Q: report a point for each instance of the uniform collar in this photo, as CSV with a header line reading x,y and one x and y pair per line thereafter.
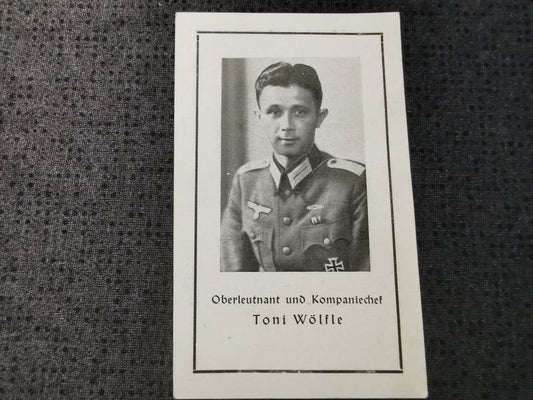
x,y
299,171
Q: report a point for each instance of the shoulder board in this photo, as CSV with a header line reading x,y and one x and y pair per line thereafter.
x,y
348,165
253,165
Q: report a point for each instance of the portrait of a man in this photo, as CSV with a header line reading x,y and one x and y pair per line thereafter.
x,y
302,209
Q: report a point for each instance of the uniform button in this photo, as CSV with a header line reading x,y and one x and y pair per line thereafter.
x,y
327,241
286,250
252,235
287,192
287,220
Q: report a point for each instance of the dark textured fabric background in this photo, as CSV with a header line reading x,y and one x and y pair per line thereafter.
x,y
86,135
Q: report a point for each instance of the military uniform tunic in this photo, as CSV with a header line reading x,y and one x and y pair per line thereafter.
x,y
311,218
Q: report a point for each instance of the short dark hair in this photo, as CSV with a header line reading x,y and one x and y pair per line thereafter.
x,y
284,74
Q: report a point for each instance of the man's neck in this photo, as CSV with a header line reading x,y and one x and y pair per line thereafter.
x,y
284,161
289,162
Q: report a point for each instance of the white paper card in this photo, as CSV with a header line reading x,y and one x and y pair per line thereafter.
x,y
295,264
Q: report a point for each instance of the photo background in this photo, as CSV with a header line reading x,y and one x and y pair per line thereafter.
x,y
341,133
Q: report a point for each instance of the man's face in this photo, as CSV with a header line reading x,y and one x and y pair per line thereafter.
x,y
290,117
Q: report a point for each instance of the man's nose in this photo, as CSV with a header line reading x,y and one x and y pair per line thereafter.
x,y
286,123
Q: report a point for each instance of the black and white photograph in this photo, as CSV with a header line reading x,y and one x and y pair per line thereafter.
x,y
293,173
291,152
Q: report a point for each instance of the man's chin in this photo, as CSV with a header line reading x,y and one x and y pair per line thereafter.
x,y
289,154
289,151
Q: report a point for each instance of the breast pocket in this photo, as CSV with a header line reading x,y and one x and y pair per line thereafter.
x,y
327,246
261,239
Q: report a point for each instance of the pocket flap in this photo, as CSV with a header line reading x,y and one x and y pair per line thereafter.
x,y
325,235
261,239
259,234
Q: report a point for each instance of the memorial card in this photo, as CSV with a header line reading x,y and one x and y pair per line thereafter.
x,y
295,262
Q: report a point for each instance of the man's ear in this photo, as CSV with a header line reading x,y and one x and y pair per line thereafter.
x,y
322,114
257,113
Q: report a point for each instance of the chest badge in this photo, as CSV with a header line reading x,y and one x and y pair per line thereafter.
x,y
315,213
334,265
316,219
258,209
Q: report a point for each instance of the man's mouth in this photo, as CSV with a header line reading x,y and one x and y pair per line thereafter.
x,y
287,140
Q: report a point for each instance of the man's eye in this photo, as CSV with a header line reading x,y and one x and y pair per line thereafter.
x,y
300,112
274,112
